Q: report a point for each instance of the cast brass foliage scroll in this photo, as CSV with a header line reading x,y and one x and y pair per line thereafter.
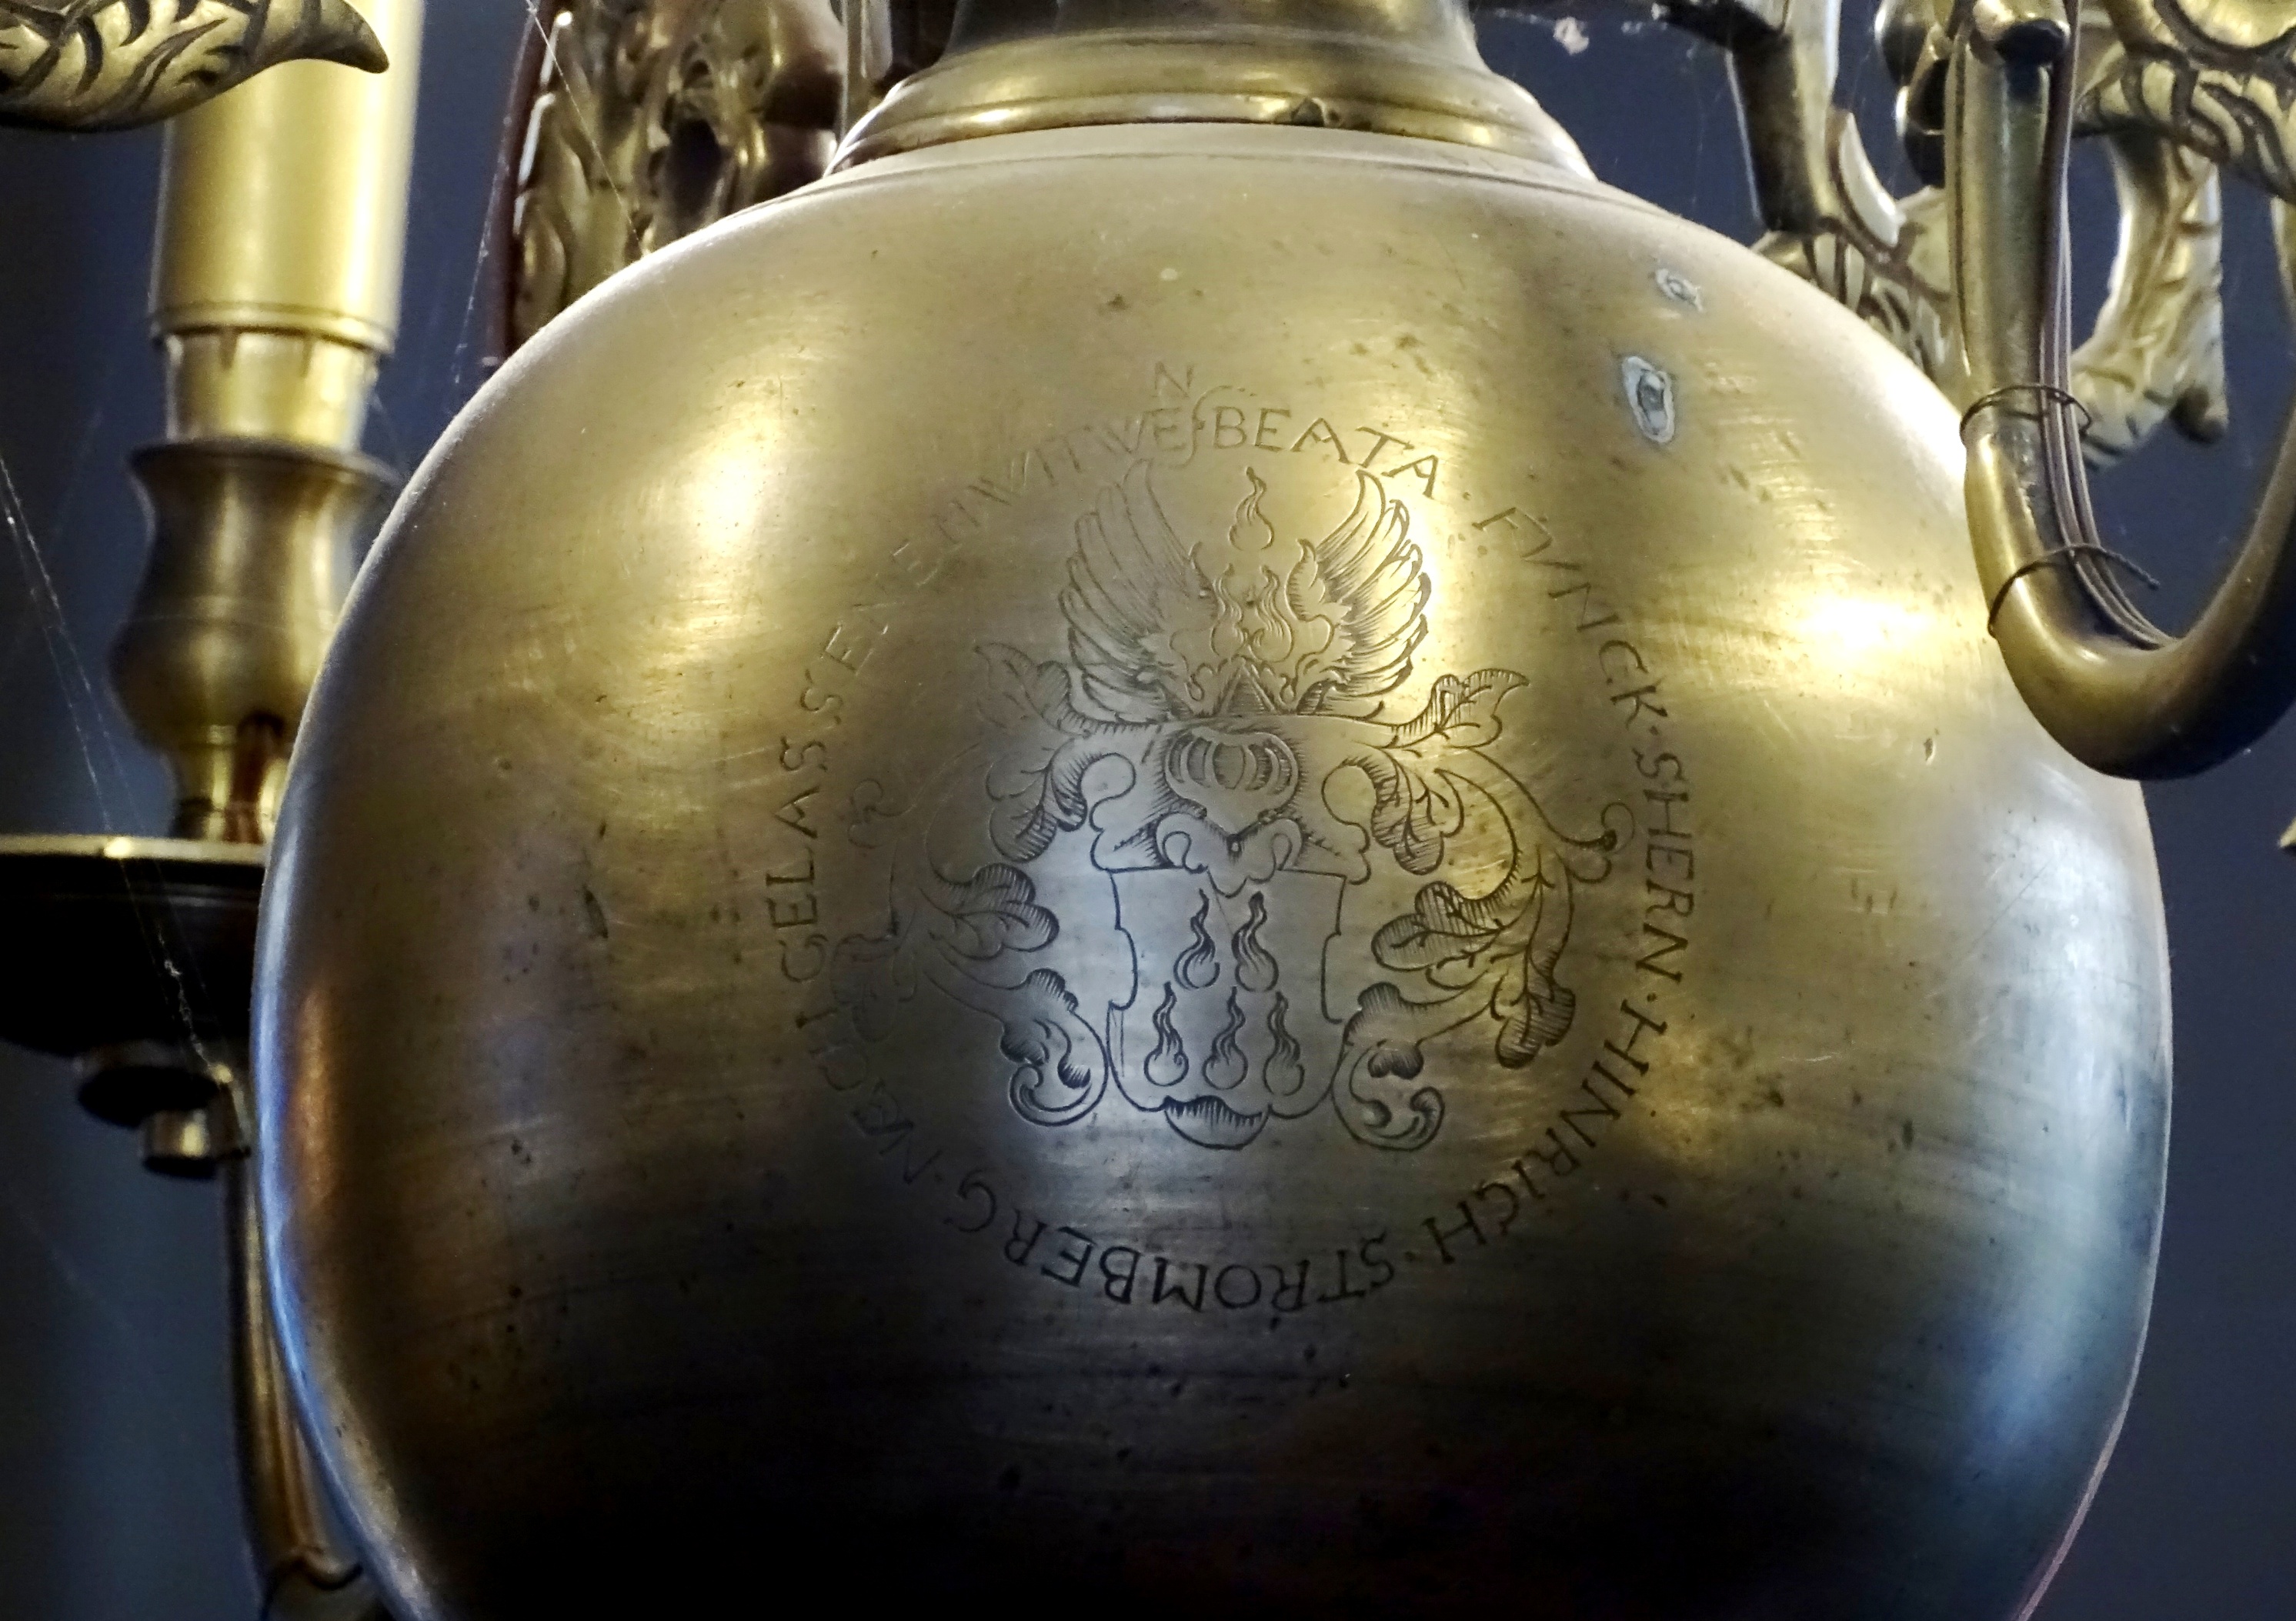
x,y
112,64
652,119
2177,92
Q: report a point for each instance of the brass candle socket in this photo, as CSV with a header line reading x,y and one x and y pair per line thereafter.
x,y
254,543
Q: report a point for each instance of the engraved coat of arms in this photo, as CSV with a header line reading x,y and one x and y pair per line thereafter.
x,y
1225,882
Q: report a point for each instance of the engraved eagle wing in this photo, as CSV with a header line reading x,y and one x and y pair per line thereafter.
x,y
1369,582
1244,623
1132,589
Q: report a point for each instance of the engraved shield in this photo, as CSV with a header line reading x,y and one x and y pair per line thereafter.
x,y
1226,1026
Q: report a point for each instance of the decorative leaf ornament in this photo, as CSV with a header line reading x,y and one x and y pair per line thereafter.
x,y
2179,90
113,64
646,120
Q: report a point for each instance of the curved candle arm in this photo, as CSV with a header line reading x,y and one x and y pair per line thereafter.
x,y
306,1572
2119,694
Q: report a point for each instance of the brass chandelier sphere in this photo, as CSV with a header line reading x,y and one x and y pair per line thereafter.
x,y
1144,822
1206,861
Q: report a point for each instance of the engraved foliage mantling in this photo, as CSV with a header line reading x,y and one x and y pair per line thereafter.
x,y
1224,882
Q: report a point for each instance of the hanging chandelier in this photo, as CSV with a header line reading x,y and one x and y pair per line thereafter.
x,y
1144,820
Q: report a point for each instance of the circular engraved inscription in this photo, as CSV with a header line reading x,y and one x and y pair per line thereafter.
x,y
1241,854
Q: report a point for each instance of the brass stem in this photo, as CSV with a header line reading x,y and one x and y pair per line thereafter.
x,y
302,1566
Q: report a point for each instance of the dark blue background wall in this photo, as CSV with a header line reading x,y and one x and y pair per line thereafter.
x,y
116,1502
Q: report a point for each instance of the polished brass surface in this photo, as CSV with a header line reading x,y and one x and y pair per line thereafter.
x,y
652,118
1211,864
112,64
2118,692
284,210
1401,67
280,385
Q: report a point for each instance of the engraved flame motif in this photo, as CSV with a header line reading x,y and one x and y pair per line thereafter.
x,y
1227,1066
1198,966
1167,1065
1255,969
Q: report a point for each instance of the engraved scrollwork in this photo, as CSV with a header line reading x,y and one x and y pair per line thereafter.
x,y
652,119
113,64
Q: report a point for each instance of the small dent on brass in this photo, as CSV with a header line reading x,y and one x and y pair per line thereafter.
x,y
1650,398
1679,289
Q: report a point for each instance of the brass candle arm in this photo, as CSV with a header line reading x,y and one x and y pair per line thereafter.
x,y
2180,92
2121,694
113,64
305,1571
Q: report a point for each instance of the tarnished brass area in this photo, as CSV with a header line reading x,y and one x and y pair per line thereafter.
x,y
113,64
653,118
1157,867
